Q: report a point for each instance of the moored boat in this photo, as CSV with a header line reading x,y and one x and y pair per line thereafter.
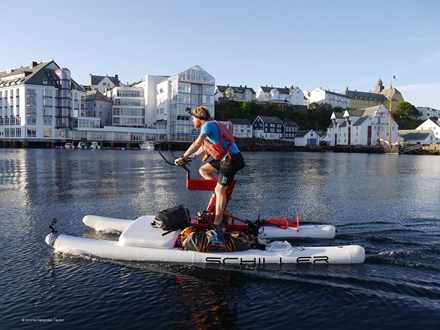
x,y
147,145
95,145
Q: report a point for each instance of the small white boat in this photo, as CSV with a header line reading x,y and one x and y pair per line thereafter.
x,y
140,241
95,145
82,145
68,145
148,145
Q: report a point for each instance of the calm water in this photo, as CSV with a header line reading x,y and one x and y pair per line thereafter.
x,y
388,204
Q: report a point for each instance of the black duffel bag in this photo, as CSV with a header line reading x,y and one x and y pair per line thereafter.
x,y
173,218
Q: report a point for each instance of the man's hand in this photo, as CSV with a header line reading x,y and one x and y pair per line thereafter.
x,y
180,161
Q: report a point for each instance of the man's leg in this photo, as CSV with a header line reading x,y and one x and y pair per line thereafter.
x,y
220,193
207,172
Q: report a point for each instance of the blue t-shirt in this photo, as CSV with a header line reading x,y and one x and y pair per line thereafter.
x,y
214,137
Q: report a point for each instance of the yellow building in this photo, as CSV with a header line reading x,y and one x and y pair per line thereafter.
x,y
388,97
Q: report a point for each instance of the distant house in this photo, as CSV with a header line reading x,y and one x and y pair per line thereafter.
x,y
423,137
306,138
241,128
291,95
270,128
428,124
322,96
291,129
234,93
103,83
426,113
99,107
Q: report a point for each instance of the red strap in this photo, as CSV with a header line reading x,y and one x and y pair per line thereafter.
x,y
282,223
279,222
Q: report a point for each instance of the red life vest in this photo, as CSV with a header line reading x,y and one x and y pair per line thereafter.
x,y
216,150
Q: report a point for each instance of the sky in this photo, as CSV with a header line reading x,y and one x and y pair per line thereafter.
x,y
307,44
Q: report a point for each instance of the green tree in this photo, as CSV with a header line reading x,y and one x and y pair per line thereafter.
x,y
406,110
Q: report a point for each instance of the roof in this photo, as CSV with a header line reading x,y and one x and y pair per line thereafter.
x,y
282,90
270,120
240,122
365,95
414,134
97,95
365,112
95,80
236,89
289,123
35,73
360,121
303,133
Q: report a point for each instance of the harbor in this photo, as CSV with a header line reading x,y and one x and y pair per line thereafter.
x,y
365,196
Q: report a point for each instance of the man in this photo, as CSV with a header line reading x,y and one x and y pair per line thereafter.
x,y
216,140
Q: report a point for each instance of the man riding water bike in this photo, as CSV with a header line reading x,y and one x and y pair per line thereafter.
x,y
216,140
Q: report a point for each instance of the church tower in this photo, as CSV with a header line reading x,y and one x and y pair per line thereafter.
x,y
379,87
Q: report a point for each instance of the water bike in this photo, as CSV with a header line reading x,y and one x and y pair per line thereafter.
x,y
140,241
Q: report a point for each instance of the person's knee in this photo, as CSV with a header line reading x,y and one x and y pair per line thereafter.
x,y
219,189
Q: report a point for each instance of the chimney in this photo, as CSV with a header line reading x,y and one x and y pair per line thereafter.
x,y
32,64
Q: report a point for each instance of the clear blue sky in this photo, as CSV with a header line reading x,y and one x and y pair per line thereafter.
x,y
308,44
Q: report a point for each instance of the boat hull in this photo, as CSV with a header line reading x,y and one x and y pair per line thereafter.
x,y
350,254
267,232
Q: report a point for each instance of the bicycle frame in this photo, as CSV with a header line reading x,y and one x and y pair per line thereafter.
x,y
209,185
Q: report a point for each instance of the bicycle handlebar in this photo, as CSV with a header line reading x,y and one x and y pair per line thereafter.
x,y
185,162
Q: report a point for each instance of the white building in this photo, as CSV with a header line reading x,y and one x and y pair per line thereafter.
x,y
413,137
322,96
292,95
427,112
41,103
430,125
306,138
168,98
235,93
98,106
240,128
38,103
103,83
365,127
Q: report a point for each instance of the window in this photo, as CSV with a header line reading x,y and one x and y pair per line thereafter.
x,y
47,132
31,120
31,132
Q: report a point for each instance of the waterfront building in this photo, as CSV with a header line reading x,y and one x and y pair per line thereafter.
x,y
37,103
363,127
430,125
240,128
306,138
169,97
99,107
414,137
270,128
291,130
